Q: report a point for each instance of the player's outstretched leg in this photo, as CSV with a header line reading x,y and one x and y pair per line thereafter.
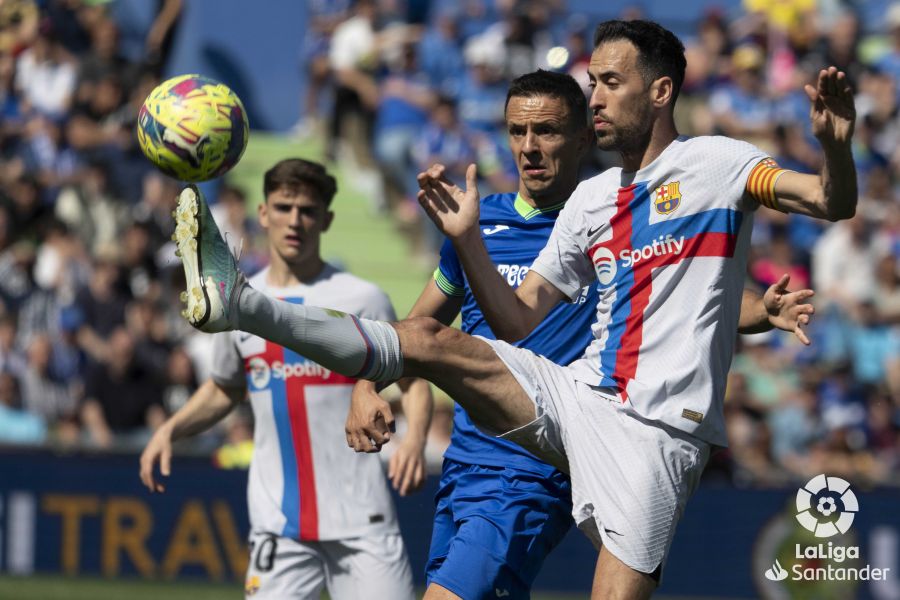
x,y
219,299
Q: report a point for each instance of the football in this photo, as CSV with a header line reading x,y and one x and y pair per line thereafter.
x,y
193,128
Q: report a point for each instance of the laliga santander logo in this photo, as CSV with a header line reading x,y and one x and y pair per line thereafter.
x,y
826,506
605,265
823,497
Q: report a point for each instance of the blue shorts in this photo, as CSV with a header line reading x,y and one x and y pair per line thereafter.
x,y
493,528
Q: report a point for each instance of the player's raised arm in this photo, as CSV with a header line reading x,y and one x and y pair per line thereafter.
x,y
832,194
512,314
209,405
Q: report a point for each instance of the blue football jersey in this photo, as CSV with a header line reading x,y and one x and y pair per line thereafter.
x,y
514,234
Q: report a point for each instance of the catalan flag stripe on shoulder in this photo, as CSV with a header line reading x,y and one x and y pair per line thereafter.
x,y
761,183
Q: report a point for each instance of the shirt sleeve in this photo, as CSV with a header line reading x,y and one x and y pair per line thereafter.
x,y
732,167
761,182
564,261
449,274
227,365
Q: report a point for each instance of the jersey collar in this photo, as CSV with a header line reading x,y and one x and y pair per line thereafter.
x,y
526,211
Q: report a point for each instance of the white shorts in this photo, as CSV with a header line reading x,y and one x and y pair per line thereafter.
x,y
367,567
631,477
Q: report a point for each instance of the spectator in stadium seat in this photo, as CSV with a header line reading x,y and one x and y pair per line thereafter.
x,y
483,90
873,346
844,260
102,307
795,424
90,211
122,399
883,426
46,74
838,45
890,62
12,359
149,327
442,140
405,101
41,394
743,108
779,260
353,58
17,426
441,54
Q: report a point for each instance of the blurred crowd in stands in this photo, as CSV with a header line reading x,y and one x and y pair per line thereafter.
x,y
92,348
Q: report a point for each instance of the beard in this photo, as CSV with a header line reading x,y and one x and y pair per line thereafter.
x,y
629,137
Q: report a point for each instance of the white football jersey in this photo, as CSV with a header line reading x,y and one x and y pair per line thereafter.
x,y
668,245
305,482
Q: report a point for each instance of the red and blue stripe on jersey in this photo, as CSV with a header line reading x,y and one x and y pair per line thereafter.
x,y
299,502
710,233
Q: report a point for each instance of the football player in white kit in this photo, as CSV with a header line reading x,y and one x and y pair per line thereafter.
x,y
320,514
666,237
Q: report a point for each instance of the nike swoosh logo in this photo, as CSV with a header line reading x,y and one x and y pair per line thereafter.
x,y
244,337
497,229
613,532
594,230
501,593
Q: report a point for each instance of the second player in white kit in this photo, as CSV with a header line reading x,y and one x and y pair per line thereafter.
x,y
318,511
321,516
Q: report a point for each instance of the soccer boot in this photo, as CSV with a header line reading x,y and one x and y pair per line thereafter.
x,y
213,279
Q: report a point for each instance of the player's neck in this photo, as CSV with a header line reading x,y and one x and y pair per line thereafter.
x,y
662,134
282,274
546,201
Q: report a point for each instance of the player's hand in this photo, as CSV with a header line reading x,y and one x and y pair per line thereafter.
x,y
406,468
454,210
159,449
370,421
787,310
832,112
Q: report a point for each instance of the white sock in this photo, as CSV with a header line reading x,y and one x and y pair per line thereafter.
x,y
345,344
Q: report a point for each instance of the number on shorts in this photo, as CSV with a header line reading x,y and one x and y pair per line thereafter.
x,y
265,557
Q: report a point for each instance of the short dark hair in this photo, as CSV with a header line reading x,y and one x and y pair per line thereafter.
x,y
298,174
660,52
554,85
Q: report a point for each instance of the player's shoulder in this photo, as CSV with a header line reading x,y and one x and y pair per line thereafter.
x,y
258,279
352,285
717,147
609,179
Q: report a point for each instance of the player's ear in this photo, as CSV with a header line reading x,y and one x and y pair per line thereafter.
x,y
326,223
662,91
262,212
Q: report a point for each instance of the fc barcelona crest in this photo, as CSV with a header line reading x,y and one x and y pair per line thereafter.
x,y
667,198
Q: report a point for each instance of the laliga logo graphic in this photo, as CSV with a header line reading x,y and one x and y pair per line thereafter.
x,y
605,265
820,496
259,372
826,506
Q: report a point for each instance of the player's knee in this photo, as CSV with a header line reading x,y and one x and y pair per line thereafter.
x,y
421,338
